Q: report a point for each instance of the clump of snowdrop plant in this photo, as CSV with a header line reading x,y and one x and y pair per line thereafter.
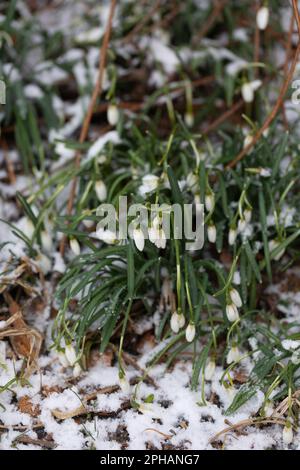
x,y
168,146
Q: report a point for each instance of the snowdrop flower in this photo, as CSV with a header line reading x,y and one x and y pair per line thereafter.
x,y
247,215
28,228
149,183
43,263
232,236
106,236
233,355
190,332
265,172
192,182
248,140
75,247
209,370
112,114
212,233
248,90
46,240
138,237
62,359
70,354
232,312
124,384
209,201
101,190
235,297
189,119
158,237
273,244
241,225
269,409
287,434
77,370
262,18
177,322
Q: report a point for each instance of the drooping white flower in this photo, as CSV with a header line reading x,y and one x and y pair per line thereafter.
x,y
192,182
248,140
248,90
287,434
232,236
107,236
232,312
177,322
62,359
139,239
101,190
190,332
233,355
113,114
269,409
44,263
212,233
158,237
124,384
262,18
209,201
46,240
247,215
75,247
273,244
265,172
242,224
235,297
189,119
28,228
70,354
149,184
209,369
77,370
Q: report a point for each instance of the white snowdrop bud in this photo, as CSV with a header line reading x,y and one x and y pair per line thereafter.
x,y
106,236
181,320
247,215
28,228
209,370
232,236
247,93
70,354
112,114
265,172
233,355
190,332
149,183
232,312
44,263
235,297
138,237
242,225
248,90
124,384
192,182
287,434
62,359
273,244
77,370
101,190
262,18
209,201
189,119
269,409
212,233
174,322
248,140
46,240
75,247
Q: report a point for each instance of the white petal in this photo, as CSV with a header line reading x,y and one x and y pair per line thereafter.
x,y
190,332
262,18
